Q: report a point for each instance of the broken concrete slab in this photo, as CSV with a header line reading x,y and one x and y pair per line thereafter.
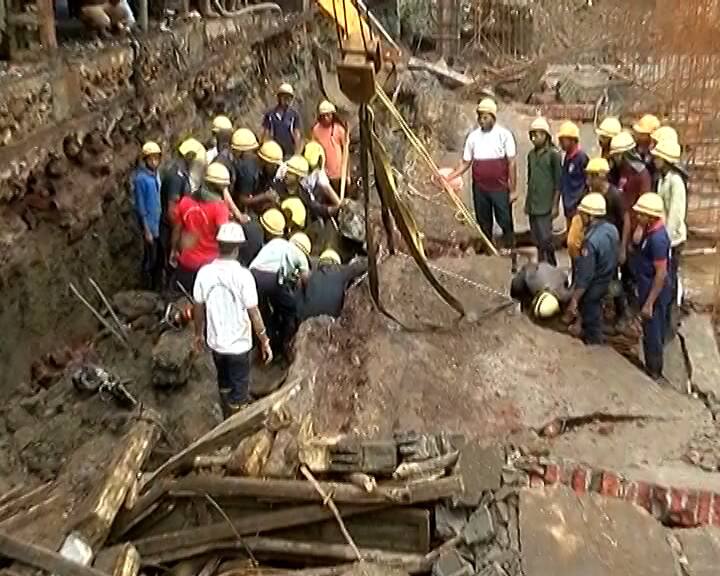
x,y
702,351
172,359
562,533
481,469
675,369
701,548
480,527
450,563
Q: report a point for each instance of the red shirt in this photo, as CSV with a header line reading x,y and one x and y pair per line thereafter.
x,y
200,220
332,139
633,183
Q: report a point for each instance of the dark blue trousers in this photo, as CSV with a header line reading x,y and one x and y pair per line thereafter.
x,y
591,312
233,374
654,329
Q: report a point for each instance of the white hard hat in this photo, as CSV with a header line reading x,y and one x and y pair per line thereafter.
x,y
231,233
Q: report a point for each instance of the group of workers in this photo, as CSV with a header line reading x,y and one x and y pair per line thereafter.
x,y
232,223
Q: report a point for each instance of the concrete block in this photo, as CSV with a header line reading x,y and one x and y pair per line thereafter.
x,y
450,563
481,468
449,521
172,359
701,547
379,457
480,527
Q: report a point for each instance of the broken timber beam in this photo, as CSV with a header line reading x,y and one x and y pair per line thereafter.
x,y
441,70
120,560
302,491
13,506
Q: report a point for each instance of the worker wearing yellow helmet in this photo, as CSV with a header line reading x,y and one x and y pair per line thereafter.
x,y
572,183
606,131
145,184
295,213
222,130
282,123
331,134
595,268
320,196
642,131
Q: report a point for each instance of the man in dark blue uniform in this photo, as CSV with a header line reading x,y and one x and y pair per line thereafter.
x,y
595,267
653,280
282,123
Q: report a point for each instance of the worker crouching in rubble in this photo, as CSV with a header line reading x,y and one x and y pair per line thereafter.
x,y
148,207
542,287
595,268
572,183
226,315
653,279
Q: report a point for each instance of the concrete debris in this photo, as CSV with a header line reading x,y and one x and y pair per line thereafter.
x,y
703,357
700,550
449,521
172,359
451,563
480,527
481,470
132,304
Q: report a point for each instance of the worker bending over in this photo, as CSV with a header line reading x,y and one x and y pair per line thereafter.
x,y
282,123
323,200
594,269
572,184
543,287
330,133
148,207
226,307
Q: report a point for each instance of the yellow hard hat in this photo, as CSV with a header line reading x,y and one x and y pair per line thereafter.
x,y
546,305
569,130
286,88
665,133
597,166
668,150
298,165
298,213
593,204
646,125
623,142
329,255
273,221
151,148
609,127
650,204
217,173
244,140
326,107
313,153
222,124
271,152
301,240
487,106
191,145
540,125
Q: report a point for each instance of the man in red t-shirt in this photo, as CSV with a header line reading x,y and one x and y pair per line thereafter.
x,y
331,134
196,222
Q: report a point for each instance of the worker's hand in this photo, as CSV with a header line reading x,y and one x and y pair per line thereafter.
x,y
571,311
647,311
242,218
514,196
199,344
555,211
148,237
173,259
622,256
266,350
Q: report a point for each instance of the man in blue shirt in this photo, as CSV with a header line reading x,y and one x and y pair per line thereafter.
x,y
146,193
572,182
282,123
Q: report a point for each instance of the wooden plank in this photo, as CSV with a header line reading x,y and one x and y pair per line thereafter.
x,y
15,505
46,18
120,560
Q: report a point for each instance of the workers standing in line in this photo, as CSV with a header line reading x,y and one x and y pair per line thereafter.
x,y
226,315
654,290
542,203
330,133
572,185
197,220
148,207
642,133
490,150
282,123
595,268
608,129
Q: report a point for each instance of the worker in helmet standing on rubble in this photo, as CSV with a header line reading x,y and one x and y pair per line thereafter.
x,y
572,184
330,133
544,169
595,268
282,123
653,279
490,150
642,132
148,207
608,129
197,220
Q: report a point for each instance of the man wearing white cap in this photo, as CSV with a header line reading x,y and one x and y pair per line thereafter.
x,y
226,306
282,123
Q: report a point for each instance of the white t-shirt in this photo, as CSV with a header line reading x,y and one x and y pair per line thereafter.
x,y
317,176
211,155
228,291
283,257
493,145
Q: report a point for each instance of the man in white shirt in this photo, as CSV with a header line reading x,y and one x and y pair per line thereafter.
x,y
490,150
226,306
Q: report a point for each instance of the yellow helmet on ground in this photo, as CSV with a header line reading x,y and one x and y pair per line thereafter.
x,y
217,173
301,240
298,165
665,133
545,305
244,140
273,221
609,127
313,153
297,210
329,255
597,166
668,150
540,125
650,204
326,107
623,142
593,204
151,148
487,106
569,130
191,145
646,125
222,124
271,152
286,88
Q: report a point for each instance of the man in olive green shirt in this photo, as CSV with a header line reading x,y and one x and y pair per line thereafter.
x,y
544,170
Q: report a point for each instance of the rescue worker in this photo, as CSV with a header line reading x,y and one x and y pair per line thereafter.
x,y
324,294
197,220
318,183
669,133
654,290
490,150
282,123
146,193
279,268
642,133
244,145
293,172
295,214
330,133
106,16
608,129
671,188
538,278
595,268
222,129
572,184
272,167
544,169
226,315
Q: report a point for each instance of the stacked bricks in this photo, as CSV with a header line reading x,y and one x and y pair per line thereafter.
x,y
670,505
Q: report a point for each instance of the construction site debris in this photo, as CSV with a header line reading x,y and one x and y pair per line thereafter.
x,y
172,358
132,304
450,77
698,336
451,563
700,549
480,467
